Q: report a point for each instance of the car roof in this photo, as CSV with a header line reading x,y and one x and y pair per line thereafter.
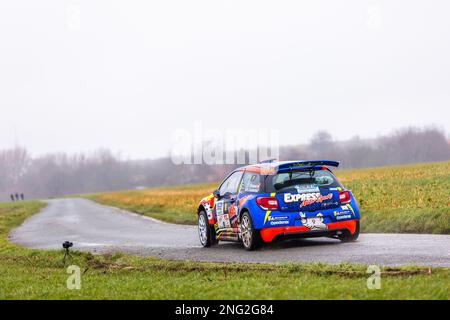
x,y
274,167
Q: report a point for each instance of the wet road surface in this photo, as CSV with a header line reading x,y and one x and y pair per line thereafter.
x,y
99,229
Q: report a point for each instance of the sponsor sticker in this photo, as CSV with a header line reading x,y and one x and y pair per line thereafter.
x,y
223,221
347,216
306,198
273,218
313,223
340,213
289,197
307,188
327,204
252,188
280,222
219,208
208,209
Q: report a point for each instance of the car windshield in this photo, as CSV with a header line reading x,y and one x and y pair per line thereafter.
x,y
303,181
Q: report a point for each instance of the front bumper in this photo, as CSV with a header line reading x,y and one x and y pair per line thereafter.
x,y
269,234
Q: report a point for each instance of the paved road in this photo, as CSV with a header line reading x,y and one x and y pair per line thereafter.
x,y
96,228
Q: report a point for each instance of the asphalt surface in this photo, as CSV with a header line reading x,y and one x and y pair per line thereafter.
x,y
99,229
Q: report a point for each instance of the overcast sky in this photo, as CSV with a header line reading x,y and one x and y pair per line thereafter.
x,y
77,75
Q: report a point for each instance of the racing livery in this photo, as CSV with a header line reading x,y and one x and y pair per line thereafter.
x,y
277,200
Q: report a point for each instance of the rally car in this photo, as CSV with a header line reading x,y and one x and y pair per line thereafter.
x,y
278,200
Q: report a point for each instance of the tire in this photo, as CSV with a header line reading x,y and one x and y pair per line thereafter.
x,y
206,233
250,238
348,237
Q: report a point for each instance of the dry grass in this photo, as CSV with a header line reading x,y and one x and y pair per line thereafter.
x,y
411,198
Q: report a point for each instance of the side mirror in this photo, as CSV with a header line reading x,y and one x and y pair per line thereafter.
x,y
216,193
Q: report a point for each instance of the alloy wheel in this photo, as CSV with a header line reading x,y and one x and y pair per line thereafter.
x,y
246,231
202,229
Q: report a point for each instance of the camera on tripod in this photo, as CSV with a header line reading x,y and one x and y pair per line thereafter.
x,y
66,245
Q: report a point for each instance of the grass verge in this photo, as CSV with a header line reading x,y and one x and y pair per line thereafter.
x,y
35,274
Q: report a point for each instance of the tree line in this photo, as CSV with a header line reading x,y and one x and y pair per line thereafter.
x,y
60,174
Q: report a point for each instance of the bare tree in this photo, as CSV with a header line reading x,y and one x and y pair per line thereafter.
x,y
13,166
60,174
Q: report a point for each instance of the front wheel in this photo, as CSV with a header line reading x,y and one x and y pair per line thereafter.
x,y
348,237
205,233
251,238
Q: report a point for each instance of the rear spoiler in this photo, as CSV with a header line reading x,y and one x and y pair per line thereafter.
x,y
301,165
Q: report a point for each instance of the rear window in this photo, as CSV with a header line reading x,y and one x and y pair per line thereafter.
x,y
302,181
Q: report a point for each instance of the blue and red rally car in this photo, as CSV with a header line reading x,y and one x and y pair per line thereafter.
x,y
277,200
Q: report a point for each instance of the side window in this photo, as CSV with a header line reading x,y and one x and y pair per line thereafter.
x,y
231,184
251,182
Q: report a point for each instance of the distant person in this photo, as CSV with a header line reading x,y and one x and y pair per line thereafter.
x,y
17,197
12,197
22,196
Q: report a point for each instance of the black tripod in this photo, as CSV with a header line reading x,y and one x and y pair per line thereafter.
x,y
66,246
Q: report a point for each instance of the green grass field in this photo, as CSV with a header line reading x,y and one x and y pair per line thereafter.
x,y
35,274
400,199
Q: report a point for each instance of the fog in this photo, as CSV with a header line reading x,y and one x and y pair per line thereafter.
x,y
80,75
61,174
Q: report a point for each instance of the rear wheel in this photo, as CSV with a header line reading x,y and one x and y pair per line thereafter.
x,y
348,237
206,233
251,238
